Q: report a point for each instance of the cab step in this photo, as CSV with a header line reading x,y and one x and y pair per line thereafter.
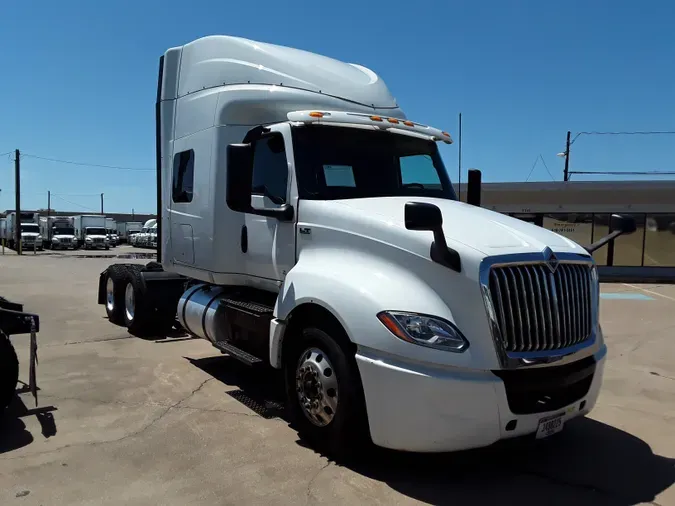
x,y
238,353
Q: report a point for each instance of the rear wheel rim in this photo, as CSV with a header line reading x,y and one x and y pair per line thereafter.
x,y
316,386
129,302
110,295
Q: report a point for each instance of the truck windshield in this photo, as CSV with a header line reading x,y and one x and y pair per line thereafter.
x,y
343,163
29,227
63,231
95,231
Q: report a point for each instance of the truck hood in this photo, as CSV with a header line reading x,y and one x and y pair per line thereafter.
x,y
63,236
484,231
95,236
29,234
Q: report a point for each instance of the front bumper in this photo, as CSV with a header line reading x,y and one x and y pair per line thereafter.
x,y
420,408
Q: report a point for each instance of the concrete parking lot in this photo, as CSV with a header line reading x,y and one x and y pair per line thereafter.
x,y
122,420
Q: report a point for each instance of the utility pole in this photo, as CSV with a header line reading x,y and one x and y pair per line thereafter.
x,y
17,187
49,229
101,203
566,173
132,214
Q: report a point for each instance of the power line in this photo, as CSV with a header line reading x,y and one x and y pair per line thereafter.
x,y
629,173
536,160
652,132
544,162
75,204
70,162
8,153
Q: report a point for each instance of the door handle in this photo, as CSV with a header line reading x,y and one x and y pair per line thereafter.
x,y
244,239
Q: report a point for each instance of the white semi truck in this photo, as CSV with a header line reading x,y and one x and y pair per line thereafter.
x,y
111,229
143,238
30,230
305,223
58,232
90,230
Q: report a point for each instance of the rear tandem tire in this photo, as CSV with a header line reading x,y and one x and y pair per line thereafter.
x,y
9,371
145,315
114,304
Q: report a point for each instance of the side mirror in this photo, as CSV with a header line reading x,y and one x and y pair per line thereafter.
x,y
625,224
425,216
618,225
239,177
473,189
422,216
240,183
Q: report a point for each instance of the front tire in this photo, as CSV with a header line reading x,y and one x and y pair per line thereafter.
x,y
324,391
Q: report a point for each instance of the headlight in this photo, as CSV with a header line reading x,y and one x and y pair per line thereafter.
x,y
55,239
424,330
88,239
39,238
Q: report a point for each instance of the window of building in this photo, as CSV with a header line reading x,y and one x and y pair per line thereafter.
x,y
659,240
628,248
270,168
183,176
576,227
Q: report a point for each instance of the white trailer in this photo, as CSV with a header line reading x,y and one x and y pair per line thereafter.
x,y
305,223
90,230
58,232
30,230
125,229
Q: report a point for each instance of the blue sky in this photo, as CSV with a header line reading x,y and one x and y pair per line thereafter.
x,y
79,81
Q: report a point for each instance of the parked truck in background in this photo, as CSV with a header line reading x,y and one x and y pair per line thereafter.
x,y
3,228
90,230
30,230
127,229
152,236
312,227
142,239
58,232
111,229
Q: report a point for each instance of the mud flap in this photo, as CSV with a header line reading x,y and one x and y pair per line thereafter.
x,y
32,379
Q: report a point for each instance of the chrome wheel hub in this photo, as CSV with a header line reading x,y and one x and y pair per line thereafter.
x,y
110,294
129,301
317,387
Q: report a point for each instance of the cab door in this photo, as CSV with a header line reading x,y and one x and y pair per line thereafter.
x,y
267,242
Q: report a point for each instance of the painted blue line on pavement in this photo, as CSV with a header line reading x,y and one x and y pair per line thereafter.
x,y
625,296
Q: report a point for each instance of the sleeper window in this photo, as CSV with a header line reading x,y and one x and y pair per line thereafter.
x,y
183,175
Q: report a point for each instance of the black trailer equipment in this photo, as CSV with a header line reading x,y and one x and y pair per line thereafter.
x,y
14,321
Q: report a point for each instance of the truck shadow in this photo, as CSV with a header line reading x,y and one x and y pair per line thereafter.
x,y
588,463
13,431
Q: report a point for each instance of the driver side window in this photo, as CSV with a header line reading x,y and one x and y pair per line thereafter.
x,y
270,168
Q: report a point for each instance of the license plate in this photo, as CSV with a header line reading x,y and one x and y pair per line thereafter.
x,y
550,425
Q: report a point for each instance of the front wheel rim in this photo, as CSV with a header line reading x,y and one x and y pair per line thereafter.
x,y
129,301
110,294
317,387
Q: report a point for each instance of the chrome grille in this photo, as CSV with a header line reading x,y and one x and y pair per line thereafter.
x,y
537,310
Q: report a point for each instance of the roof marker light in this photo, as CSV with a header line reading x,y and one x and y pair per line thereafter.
x,y
376,118
446,134
409,123
316,114
392,120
